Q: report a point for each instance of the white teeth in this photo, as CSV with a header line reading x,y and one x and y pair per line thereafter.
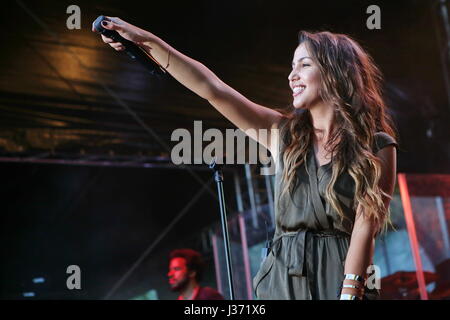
x,y
298,89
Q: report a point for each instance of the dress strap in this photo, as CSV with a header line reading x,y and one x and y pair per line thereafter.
x,y
319,209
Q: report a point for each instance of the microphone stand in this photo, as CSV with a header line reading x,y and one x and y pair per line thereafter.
x,y
218,177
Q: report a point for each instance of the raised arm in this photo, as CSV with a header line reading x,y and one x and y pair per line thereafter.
x,y
242,112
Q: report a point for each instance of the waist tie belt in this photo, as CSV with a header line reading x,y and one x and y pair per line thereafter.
x,y
296,248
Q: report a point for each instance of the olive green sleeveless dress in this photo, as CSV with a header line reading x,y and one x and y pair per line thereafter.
x,y
307,256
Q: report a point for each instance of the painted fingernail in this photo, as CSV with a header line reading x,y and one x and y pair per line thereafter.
x,y
104,23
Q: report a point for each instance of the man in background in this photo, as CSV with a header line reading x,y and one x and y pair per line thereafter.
x,y
186,268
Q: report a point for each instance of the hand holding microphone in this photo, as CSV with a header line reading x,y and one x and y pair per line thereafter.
x,y
123,36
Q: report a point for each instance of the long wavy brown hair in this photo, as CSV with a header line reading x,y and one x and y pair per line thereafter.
x,y
351,83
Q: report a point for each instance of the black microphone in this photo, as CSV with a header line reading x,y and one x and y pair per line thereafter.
x,y
132,50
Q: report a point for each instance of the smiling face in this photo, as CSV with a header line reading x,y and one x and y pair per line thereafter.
x,y
304,79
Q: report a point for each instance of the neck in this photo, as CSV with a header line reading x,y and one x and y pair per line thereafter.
x,y
187,292
322,116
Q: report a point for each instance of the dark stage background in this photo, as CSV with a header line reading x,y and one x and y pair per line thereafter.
x,y
62,96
